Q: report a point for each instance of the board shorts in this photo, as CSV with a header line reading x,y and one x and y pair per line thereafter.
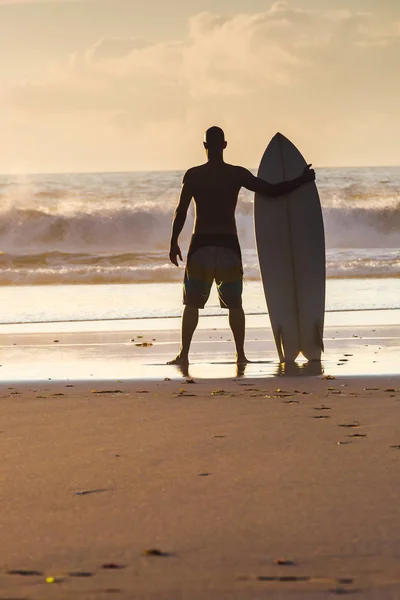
x,y
213,263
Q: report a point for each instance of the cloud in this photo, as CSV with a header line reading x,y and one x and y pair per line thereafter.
x,y
112,48
326,78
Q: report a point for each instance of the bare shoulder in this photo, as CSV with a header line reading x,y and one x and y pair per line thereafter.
x,y
239,173
193,173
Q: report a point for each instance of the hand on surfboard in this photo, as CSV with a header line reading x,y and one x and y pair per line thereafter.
x,y
308,174
174,253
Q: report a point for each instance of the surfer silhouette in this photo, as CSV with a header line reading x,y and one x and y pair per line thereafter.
x,y
214,251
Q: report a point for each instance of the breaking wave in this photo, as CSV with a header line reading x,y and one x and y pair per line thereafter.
x,y
116,227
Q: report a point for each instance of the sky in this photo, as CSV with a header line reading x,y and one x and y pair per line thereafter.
x,y
125,85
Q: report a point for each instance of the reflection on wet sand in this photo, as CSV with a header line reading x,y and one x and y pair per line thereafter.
x,y
293,369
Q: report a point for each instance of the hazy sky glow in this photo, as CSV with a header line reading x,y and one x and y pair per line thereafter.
x,y
126,85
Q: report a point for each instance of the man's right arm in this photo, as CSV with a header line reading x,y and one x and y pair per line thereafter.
x,y
256,184
179,221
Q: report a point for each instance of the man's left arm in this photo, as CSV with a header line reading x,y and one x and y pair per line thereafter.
x,y
178,223
256,184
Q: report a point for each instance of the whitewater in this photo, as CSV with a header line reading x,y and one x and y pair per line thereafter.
x,y
114,227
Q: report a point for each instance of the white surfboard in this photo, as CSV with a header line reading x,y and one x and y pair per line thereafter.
x,y
291,251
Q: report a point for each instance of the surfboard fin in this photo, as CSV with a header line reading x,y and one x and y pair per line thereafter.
x,y
319,336
279,343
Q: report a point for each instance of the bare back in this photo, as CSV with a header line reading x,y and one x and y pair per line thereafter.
x,y
215,188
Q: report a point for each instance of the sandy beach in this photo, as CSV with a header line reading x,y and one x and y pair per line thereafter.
x,y
264,485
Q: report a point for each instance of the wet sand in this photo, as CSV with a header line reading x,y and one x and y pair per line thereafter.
x,y
224,478
358,343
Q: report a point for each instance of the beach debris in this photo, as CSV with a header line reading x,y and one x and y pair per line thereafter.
x,y
112,565
336,392
343,360
347,355
358,435
106,391
140,336
371,389
397,446
284,561
293,578
190,381
217,392
51,579
320,417
80,574
330,389
69,385
204,474
219,436
390,390
56,341
142,391
343,443
328,377
25,573
167,379
323,407
183,394
291,401
144,344
341,591
58,394
355,424
86,492
13,393
153,552
283,578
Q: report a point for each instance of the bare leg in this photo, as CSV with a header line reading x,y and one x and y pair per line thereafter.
x,y
190,318
237,324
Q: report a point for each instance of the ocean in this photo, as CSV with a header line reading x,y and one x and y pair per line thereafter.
x,y
76,247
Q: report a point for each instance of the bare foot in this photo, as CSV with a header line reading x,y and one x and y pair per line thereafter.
x,y
179,360
182,364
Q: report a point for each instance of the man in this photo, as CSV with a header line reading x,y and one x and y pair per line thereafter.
x,y
214,251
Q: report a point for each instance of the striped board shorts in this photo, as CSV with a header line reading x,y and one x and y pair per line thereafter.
x,y
213,263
